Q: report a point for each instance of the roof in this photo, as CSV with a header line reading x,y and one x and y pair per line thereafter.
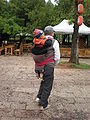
x,y
65,28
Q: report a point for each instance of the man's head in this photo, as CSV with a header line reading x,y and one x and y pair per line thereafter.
x,y
49,30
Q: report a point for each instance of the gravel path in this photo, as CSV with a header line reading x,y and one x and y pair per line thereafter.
x,y
69,99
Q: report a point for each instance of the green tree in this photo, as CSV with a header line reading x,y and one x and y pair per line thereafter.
x,y
86,13
29,13
8,23
64,10
25,15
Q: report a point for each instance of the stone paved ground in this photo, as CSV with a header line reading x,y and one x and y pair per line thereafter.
x,y
69,100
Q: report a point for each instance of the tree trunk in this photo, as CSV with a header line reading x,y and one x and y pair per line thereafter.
x,y
74,50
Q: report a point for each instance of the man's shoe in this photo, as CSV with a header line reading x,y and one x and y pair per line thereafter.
x,y
37,100
44,108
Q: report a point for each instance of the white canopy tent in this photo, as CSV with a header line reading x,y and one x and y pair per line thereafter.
x,y
65,28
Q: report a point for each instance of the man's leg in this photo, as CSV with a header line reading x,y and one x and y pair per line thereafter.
x,y
40,90
48,78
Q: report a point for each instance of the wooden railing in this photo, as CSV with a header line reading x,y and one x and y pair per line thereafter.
x,y
65,52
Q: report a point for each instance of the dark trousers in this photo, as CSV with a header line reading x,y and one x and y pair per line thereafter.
x,y
46,85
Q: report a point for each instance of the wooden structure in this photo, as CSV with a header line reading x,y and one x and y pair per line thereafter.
x,y
1,49
19,51
9,49
66,52
27,47
83,45
64,33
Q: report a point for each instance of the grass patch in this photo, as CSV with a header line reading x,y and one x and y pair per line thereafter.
x,y
65,64
80,66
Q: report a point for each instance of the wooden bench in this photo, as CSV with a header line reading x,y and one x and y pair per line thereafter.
x,y
9,49
27,47
19,51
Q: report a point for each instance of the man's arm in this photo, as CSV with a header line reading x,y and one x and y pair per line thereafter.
x,y
57,52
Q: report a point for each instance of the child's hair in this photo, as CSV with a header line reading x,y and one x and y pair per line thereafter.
x,y
40,38
38,33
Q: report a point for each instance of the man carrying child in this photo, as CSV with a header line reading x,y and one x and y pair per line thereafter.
x,y
46,55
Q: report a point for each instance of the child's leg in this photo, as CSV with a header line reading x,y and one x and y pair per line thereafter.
x,y
41,75
38,75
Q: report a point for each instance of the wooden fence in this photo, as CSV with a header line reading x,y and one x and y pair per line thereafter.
x,y
85,53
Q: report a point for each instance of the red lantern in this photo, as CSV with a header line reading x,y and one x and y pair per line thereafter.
x,y
80,20
80,8
80,1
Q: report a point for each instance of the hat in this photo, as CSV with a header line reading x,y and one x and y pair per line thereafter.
x,y
48,30
37,33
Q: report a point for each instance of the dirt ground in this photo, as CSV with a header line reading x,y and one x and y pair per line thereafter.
x,y
69,99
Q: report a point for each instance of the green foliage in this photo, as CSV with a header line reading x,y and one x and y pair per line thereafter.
x,y
25,15
9,26
8,23
86,13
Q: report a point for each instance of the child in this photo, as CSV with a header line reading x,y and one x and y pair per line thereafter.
x,y
40,48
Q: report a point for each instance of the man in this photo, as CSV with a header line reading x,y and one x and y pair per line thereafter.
x,y
51,58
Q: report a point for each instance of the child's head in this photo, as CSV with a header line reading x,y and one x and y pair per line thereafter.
x,y
38,33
